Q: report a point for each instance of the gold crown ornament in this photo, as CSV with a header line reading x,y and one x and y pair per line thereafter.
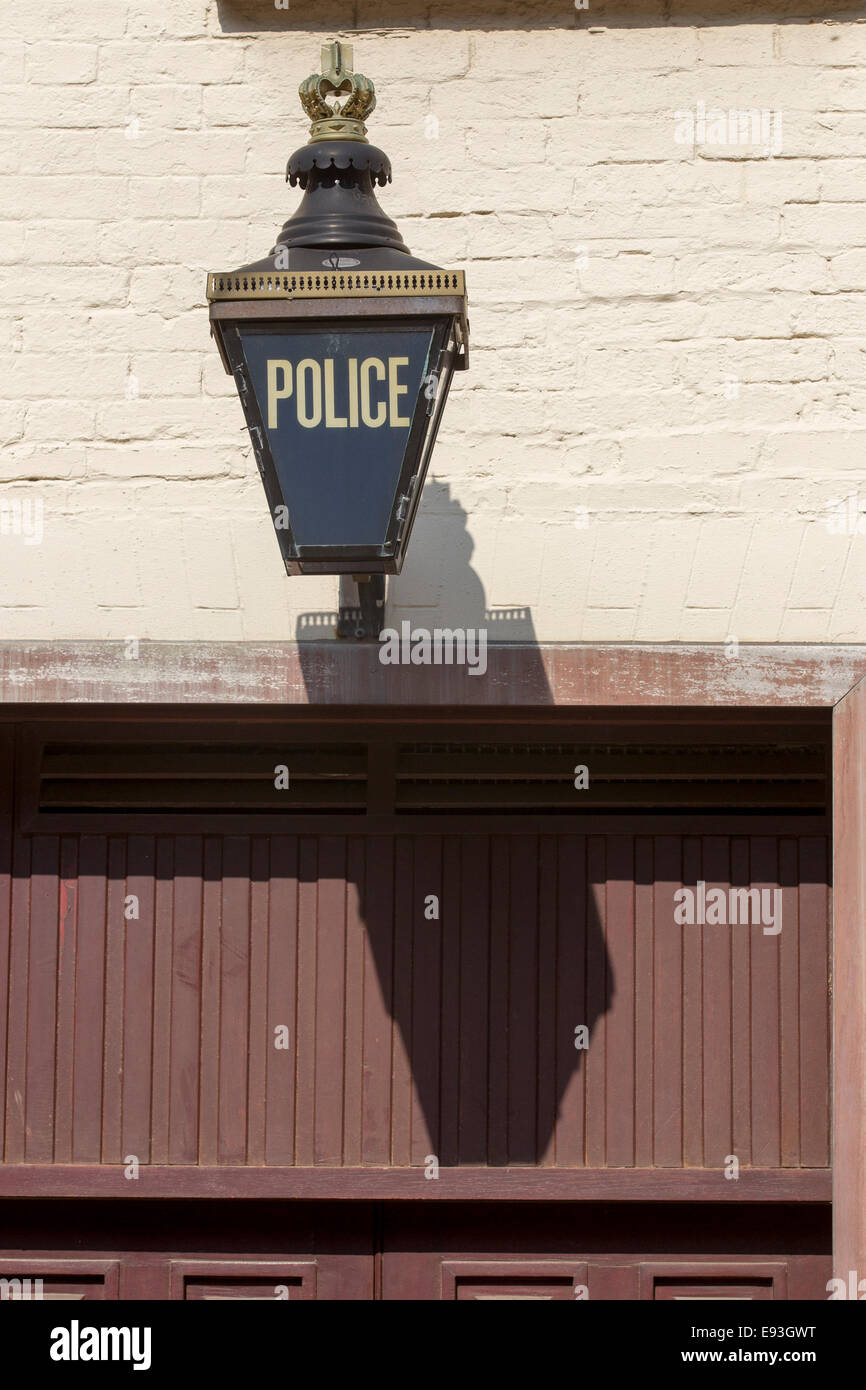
x,y
337,122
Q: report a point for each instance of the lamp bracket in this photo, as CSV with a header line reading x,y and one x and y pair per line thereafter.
x,y
361,614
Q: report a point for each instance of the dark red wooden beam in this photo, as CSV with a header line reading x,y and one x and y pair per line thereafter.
x,y
410,1184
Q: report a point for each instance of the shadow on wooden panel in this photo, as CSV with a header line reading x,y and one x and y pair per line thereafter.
x,y
488,954
487,951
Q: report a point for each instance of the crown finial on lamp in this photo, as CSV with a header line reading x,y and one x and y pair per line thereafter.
x,y
337,122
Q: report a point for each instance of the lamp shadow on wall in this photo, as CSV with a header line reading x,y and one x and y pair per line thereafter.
x,y
438,588
487,995
335,17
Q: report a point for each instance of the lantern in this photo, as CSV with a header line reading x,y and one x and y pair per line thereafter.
x,y
342,346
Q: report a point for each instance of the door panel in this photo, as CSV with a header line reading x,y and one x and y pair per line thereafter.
x,y
57,1280
264,1281
498,1280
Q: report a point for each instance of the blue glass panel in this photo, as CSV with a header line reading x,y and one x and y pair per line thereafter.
x,y
337,408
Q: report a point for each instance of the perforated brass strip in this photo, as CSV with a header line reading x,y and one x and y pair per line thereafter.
x,y
338,284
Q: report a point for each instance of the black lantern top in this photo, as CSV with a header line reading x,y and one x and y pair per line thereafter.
x,y
343,346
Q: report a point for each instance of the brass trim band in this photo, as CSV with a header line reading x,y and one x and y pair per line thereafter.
x,y
385,284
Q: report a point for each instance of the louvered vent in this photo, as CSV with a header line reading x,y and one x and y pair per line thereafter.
x,y
538,778
394,774
196,778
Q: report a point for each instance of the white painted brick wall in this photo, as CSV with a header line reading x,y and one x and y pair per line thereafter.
x,y
668,335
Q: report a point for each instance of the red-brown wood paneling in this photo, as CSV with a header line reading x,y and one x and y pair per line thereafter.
x,y
412,1036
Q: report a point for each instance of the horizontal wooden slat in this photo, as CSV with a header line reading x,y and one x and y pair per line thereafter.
x,y
498,796
229,762
669,764
175,795
218,821
455,1184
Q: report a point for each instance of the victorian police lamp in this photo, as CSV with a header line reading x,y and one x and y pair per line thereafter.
x,y
342,345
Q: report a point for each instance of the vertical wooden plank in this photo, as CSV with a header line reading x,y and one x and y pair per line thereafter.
x,y
546,1108
42,999
426,1000
211,971
6,756
234,1000
89,1000
741,1013
115,931
451,928
500,912
523,1001
474,996
815,1020
138,998
330,1000
620,1077
305,1056
66,962
572,1005
643,1002
258,1041
185,1001
789,1002
378,911
353,1031
282,1000
717,1005
162,953
19,956
766,1078
667,1006
849,984
693,1055
600,987
402,1093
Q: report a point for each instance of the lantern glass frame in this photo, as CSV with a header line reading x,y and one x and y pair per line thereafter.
x,y
442,315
